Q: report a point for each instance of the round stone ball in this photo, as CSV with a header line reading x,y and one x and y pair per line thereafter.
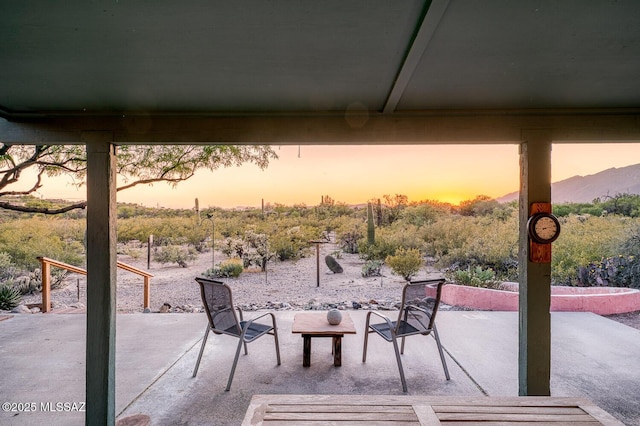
x,y
334,317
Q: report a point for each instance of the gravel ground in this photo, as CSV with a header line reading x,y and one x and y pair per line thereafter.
x,y
285,285
291,285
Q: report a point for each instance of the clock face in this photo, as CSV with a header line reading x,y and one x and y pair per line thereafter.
x,y
544,228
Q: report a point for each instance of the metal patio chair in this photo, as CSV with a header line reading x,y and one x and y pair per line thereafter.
x,y
221,313
416,317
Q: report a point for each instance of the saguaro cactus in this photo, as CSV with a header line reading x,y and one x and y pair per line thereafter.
x,y
371,230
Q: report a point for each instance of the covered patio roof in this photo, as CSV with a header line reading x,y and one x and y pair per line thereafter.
x,y
153,71
106,73
310,57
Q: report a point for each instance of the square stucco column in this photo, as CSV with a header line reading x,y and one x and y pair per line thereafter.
x,y
534,355
101,279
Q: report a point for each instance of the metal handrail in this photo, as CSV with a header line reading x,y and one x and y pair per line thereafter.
x,y
47,263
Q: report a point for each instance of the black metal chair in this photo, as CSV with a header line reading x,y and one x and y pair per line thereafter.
x,y
221,313
416,317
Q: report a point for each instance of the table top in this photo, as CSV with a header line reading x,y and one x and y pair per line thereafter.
x,y
422,410
315,323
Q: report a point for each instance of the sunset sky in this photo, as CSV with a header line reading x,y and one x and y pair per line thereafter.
x,y
355,174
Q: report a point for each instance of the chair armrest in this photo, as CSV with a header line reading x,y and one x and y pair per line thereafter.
x,y
251,321
384,317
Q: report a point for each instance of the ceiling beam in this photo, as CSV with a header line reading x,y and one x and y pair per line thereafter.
x,y
419,44
429,127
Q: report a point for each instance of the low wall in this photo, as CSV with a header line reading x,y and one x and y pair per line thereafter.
x,y
599,300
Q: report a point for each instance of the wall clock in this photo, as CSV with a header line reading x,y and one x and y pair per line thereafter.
x,y
543,227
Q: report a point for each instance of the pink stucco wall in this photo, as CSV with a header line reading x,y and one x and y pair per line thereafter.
x,y
599,300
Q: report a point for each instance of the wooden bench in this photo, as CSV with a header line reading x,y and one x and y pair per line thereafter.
x,y
422,410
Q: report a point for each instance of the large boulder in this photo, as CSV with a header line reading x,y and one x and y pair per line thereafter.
x,y
333,264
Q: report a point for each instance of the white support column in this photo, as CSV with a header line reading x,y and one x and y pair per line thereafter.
x,y
534,361
101,277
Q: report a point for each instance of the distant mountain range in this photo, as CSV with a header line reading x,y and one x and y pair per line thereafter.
x,y
584,189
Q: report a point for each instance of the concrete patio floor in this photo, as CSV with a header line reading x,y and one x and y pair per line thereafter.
x,y
43,364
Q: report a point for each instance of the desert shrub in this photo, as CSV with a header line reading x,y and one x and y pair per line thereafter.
x,y
566,209
482,205
9,296
231,268
257,250
341,224
174,254
392,208
402,235
619,271
389,239
377,251
136,229
134,249
423,214
32,283
293,243
166,230
341,220
26,239
7,268
5,261
232,247
405,262
622,270
27,282
231,226
631,246
621,204
349,241
57,278
474,277
585,240
372,268
468,241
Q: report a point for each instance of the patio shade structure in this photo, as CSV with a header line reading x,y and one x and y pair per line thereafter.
x,y
110,73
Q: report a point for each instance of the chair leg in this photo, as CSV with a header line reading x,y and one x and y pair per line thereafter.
x,y
402,346
275,337
204,342
364,347
366,339
366,344
397,351
444,362
241,342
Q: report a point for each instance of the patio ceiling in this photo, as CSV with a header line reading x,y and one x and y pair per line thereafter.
x,y
188,59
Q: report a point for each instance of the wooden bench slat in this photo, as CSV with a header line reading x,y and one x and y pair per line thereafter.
x,y
463,423
426,415
307,408
515,401
597,413
328,416
427,410
514,417
507,409
341,423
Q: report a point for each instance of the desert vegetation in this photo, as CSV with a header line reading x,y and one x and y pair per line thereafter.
x,y
474,243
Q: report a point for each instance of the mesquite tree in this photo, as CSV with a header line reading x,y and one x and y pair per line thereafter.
x,y
136,164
